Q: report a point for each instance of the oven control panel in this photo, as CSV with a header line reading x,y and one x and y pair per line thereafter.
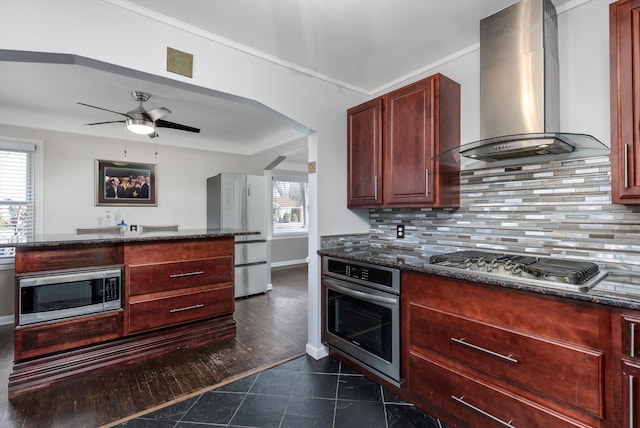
x,y
366,274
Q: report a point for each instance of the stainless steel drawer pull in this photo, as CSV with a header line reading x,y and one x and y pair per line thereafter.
x,y
186,308
426,183
180,275
631,403
482,412
375,187
632,340
486,351
626,166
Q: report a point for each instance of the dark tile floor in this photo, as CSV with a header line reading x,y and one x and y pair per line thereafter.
x,y
300,393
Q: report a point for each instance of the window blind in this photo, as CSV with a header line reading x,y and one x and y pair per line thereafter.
x,y
16,195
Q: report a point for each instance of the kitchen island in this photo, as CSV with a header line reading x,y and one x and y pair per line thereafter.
x,y
167,290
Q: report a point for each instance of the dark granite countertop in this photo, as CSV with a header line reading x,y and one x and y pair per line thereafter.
x,y
618,288
72,239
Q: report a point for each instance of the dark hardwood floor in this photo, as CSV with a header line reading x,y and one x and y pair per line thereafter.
x,y
271,328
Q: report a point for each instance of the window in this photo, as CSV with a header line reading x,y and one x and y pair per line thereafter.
x,y
16,195
290,205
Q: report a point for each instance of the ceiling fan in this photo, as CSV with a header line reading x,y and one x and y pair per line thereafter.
x,y
141,121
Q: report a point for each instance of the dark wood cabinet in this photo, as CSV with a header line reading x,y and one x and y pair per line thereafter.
x,y
625,101
170,283
37,340
626,349
422,123
475,354
630,396
400,147
176,293
364,156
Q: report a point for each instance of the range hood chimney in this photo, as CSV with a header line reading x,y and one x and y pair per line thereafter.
x,y
519,86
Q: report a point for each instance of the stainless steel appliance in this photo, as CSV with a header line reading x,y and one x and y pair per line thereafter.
x,y
239,201
542,271
361,319
57,295
519,87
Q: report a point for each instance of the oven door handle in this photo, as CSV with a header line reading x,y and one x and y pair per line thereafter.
x,y
360,294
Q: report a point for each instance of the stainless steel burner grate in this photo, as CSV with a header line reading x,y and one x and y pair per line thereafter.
x,y
571,272
549,271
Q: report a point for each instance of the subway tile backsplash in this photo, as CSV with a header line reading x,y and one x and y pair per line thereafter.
x,y
561,208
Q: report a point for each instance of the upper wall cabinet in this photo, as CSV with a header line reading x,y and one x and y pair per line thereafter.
x,y
625,101
364,157
399,147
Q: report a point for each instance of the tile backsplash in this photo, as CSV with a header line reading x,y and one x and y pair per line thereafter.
x,y
560,208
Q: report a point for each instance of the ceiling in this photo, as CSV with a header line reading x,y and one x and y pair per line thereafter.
x,y
363,45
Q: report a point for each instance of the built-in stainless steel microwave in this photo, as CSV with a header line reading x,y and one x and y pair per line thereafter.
x,y
62,294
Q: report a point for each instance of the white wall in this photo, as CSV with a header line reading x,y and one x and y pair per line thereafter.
x,y
102,31
68,194
69,187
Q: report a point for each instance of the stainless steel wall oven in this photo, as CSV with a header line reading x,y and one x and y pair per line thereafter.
x,y
361,319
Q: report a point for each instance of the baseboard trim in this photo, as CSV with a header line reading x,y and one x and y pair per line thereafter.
x,y
317,353
289,263
7,319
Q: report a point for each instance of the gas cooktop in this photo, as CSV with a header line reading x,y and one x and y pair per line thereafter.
x,y
543,271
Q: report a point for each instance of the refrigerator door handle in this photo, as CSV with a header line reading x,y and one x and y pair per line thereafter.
x,y
252,264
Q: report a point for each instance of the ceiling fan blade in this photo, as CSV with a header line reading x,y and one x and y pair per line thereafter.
x,y
157,113
102,123
105,109
165,124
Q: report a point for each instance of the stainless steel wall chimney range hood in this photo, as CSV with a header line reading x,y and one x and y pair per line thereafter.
x,y
519,96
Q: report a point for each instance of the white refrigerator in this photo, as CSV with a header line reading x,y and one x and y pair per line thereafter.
x,y
239,201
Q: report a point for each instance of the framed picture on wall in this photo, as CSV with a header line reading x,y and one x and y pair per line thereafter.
x,y
123,183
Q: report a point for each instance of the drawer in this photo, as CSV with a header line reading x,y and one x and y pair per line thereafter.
x,y
570,374
161,312
474,403
573,322
176,250
37,340
157,277
250,252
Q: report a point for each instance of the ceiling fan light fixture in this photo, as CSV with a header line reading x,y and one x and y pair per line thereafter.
x,y
141,126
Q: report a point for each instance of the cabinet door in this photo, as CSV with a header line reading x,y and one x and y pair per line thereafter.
x,y
409,145
364,155
625,101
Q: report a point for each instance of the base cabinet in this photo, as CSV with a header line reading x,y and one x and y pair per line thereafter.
x,y
486,356
170,284
176,293
630,396
626,350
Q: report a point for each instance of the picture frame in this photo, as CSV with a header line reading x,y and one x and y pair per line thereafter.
x,y
125,184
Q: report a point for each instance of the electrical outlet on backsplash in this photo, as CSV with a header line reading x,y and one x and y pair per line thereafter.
x,y
558,208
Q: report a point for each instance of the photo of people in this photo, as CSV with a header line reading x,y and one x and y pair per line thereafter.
x,y
125,184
